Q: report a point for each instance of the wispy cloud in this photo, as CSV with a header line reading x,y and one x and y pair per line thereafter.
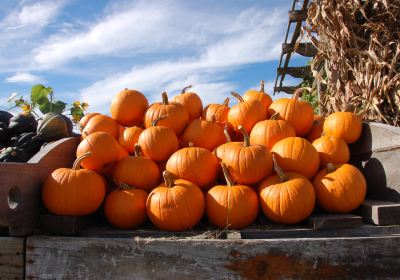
x,y
25,78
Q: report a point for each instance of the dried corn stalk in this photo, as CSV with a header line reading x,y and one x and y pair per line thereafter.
x,y
358,46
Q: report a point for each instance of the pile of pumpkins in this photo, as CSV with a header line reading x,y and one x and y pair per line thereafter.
x,y
174,161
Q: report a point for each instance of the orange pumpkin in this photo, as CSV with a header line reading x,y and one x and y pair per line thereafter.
x,y
286,198
175,205
247,164
101,123
176,115
199,131
85,119
73,192
231,206
317,128
191,101
126,208
217,111
128,107
197,165
298,113
129,137
340,188
345,125
246,113
158,142
268,132
259,95
331,149
297,155
109,169
104,149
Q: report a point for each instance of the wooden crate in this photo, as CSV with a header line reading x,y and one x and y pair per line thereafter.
x,y
12,258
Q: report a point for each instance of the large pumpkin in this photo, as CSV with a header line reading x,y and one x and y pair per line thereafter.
x,y
259,95
297,155
85,119
128,137
231,206
317,128
197,165
298,113
191,101
175,205
286,198
247,164
101,123
345,125
219,112
176,115
269,132
246,113
73,192
158,142
331,149
128,107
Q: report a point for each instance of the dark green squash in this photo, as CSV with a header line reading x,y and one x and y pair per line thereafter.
x,y
27,142
4,132
53,127
2,146
69,123
5,117
23,122
13,154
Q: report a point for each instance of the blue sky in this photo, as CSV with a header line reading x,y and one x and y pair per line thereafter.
x,y
90,50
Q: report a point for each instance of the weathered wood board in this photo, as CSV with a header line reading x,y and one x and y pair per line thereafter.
x,y
105,258
380,213
11,258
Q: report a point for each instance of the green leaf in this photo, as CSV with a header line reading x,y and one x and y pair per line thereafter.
x,y
38,92
42,100
58,107
45,108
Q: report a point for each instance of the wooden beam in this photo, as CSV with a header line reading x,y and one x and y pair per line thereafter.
x,y
11,258
297,72
304,49
297,15
289,90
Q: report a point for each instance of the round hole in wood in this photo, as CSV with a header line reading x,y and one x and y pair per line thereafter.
x,y
14,198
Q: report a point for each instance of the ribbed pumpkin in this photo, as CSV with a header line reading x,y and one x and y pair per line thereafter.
x,y
259,95
297,155
175,205
101,123
340,188
85,119
104,149
317,128
158,142
331,149
345,125
217,111
204,134
128,107
177,116
286,198
269,132
298,113
197,165
126,207
191,101
137,171
247,164
231,206
246,113
73,192
129,137
52,127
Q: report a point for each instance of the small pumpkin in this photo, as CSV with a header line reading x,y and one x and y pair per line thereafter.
x,y
247,164
268,132
345,125
298,113
231,206
340,188
53,127
13,154
158,142
85,119
317,128
177,116
259,95
5,117
23,122
297,155
191,101
128,107
246,113
73,192
101,123
129,137
286,198
217,111
175,205
331,149
125,207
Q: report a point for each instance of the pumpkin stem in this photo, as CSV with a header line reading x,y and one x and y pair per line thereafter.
x,y
123,186
296,93
154,123
138,150
226,102
213,119
262,86
164,98
323,133
228,179
237,96
275,116
168,180
330,167
77,162
281,174
246,139
185,88
227,136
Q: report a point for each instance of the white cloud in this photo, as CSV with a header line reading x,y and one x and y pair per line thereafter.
x,y
24,78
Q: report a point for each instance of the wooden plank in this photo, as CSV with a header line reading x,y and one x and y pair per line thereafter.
x,y
297,15
65,225
334,221
11,258
321,258
304,49
380,213
297,72
288,90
